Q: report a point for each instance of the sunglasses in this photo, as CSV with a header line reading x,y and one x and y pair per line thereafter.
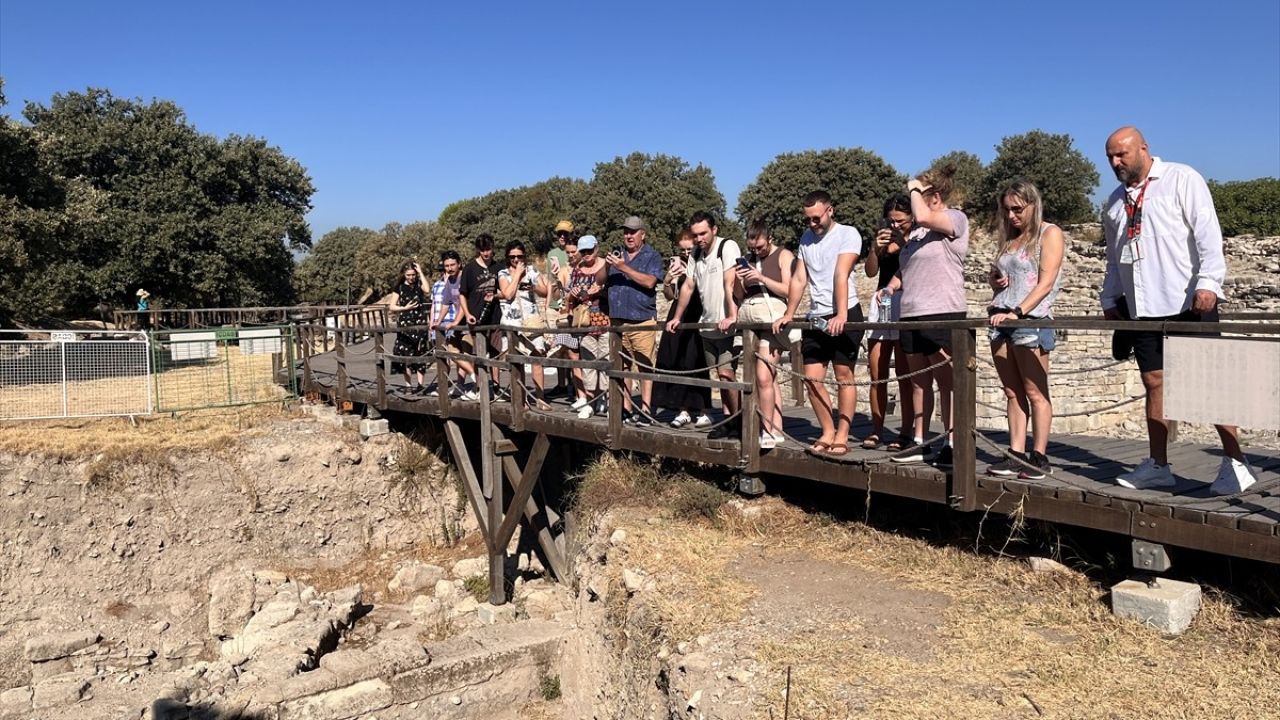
x,y
515,257
586,251
562,234
629,231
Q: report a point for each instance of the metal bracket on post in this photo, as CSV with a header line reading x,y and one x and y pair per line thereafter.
x,y
1150,556
750,485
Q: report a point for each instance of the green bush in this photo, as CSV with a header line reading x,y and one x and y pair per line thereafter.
x,y
1248,207
1064,176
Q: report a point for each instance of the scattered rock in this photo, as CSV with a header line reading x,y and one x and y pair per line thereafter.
x,y
58,645
426,608
470,567
280,453
414,576
1046,565
61,690
15,701
618,537
230,602
633,580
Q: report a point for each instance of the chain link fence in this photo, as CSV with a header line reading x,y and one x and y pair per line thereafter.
x,y
83,373
74,373
222,367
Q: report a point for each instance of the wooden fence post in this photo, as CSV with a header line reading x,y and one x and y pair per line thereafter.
x,y
798,390
750,405
964,470
517,380
379,340
340,355
617,386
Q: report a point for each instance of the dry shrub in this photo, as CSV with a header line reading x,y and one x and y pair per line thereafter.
x,y
423,481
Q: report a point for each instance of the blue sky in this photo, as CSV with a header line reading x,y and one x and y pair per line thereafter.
x,y
397,108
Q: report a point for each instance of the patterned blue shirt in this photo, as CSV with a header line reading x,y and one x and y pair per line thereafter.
x,y
445,295
628,300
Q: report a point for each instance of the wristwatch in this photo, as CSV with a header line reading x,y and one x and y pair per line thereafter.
x,y
1017,311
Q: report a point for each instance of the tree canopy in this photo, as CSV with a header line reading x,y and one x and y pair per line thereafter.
x,y
1065,177
102,195
858,180
1248,207
970,174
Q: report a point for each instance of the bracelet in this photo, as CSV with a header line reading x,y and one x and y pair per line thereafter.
x,y
916,190
1017,311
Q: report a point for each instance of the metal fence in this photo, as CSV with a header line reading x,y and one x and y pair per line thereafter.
x,y
74,373
222,367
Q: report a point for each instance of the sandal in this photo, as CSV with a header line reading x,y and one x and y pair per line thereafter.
x,y
895,445
838,449
872,442
819,446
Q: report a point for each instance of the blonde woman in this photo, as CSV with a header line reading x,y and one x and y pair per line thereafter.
x,y
1025,276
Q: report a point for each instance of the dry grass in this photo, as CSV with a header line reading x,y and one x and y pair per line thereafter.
x,y
1013,643
141,438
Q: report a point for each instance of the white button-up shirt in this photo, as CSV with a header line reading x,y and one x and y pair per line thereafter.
x,y
1178,252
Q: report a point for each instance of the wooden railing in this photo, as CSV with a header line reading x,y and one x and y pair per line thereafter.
x,y
964,363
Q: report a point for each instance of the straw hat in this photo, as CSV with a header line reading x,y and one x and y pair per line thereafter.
x,y
143,293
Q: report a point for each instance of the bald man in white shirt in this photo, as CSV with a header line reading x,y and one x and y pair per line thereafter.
x,y
1164,263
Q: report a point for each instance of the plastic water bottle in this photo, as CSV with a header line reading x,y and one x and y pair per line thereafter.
x,y
886,305
819,324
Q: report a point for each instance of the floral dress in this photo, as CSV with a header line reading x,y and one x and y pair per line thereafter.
x,y
411,343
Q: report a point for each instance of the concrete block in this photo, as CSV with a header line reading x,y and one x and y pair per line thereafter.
x,y
496,614
358,700
1168,605
58,645
369,428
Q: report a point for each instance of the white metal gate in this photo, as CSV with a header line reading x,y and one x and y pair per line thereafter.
x,y
74,373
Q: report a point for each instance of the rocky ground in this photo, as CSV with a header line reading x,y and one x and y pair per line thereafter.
x,y
155,586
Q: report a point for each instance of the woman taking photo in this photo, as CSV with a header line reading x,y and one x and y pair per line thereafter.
x,y
1025,276
883,348
410,304
931,278
681,350
585,291
519,286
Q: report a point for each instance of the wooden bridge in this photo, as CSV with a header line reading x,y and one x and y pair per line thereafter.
x,y
494,438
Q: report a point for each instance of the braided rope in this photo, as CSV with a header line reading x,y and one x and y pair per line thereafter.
x,y
1077,371
856,383
664,371
1079,413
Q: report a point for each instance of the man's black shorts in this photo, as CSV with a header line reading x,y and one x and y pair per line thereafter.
x,y
1148,345
927,341
819,348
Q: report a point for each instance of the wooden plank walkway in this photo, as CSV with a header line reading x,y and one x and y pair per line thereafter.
x,y
1080,492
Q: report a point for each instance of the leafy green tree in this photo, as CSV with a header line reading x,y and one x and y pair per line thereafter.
x,y
327,274
107,195
858,180
1064,176
525,213
968,179
1248,207
662,189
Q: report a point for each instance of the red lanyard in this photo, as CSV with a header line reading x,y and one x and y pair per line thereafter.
x,y
1133,209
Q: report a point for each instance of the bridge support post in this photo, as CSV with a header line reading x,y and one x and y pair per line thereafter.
x,y
750,405
490,478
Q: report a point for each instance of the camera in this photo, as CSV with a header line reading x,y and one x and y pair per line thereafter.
x,y
617,250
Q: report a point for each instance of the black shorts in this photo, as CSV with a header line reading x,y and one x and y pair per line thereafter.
x,y
819,348
1148,345
927,341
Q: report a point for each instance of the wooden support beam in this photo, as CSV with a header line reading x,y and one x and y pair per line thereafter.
x,y
491,481
549,544
458,446
340,355
523,489
964,452
443,385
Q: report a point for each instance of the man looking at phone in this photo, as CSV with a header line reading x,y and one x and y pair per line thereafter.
x,y
632,284
713,276
828,252
477,295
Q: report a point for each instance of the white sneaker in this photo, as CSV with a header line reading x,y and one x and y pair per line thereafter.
x,y
471,394
702,421
1148,475
1233,477
681,420
577,404
768,441
585,411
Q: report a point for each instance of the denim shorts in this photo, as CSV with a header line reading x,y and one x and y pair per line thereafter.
x,y
1024,337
